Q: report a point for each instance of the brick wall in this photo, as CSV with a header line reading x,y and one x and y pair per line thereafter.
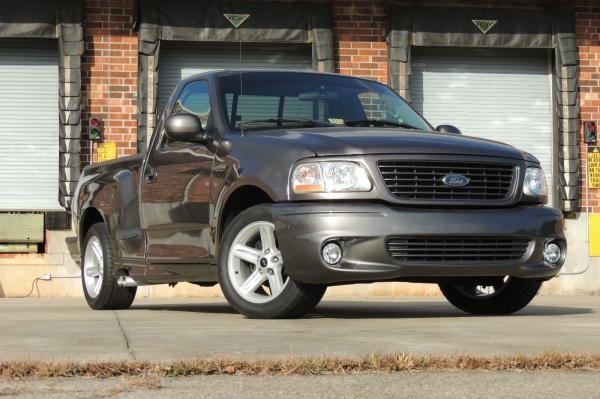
x,y
588,40
109,73
359,29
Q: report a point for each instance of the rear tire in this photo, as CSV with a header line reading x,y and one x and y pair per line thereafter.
x,y
252,270
510,295
99,286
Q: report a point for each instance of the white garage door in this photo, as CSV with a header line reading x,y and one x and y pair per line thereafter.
x,y
28,125
502,95
179,60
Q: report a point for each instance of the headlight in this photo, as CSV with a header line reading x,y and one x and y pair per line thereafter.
x,y
330,177
534,184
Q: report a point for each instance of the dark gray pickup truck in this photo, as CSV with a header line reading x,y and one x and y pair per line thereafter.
x,y
278,184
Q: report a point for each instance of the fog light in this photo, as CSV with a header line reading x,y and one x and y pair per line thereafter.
x,y
332,253
552,253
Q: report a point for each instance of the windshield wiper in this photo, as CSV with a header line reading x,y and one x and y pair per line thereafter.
x,y
281,121
379,123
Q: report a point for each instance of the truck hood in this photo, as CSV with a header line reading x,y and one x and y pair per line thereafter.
x,y
360,141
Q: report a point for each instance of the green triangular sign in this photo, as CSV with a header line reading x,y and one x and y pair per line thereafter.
x,y
484,25
236,19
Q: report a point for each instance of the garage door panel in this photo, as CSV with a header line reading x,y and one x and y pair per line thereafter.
x,y
502,95
180,60
29,136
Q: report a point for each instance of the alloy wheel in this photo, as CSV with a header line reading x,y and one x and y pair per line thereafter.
x,y
255,264
93,267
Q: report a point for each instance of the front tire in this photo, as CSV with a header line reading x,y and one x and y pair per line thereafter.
x,y
252,270
99,286
496,296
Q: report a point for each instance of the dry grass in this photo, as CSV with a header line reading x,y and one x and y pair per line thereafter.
x,y
302,366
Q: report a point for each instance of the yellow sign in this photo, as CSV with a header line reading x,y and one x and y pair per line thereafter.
x,y
593,164
594,234
107,150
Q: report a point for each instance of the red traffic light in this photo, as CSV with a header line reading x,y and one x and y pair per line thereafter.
x,y
95,122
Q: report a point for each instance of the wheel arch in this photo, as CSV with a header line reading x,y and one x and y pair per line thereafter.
x,y
240,199
89,217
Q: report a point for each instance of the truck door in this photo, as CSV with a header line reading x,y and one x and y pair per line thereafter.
x,y
176,188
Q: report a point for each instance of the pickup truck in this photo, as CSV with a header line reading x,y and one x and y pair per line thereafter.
x,y
277,184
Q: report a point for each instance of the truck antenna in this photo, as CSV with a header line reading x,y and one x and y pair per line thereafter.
x,y
236,20
241,87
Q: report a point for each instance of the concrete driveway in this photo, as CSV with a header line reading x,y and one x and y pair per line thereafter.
x,y
66,329
422,384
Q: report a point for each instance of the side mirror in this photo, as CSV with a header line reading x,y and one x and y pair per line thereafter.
x,y
448,129
185,127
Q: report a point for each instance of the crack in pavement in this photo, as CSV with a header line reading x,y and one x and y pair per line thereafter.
x,y
124,335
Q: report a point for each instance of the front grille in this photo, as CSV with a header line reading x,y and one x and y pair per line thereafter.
x,y
422,180
464,250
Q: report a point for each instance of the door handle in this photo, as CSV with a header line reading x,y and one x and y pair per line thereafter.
x,y
150,175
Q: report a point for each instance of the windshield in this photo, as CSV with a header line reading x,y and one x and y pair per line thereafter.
x,y
270,100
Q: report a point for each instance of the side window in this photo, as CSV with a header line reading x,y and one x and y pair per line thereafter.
x,y
194,99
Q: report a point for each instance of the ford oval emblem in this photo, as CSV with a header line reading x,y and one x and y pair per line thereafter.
x,y
455,180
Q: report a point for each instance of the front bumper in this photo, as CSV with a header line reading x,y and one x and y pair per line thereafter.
x,y
362,231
